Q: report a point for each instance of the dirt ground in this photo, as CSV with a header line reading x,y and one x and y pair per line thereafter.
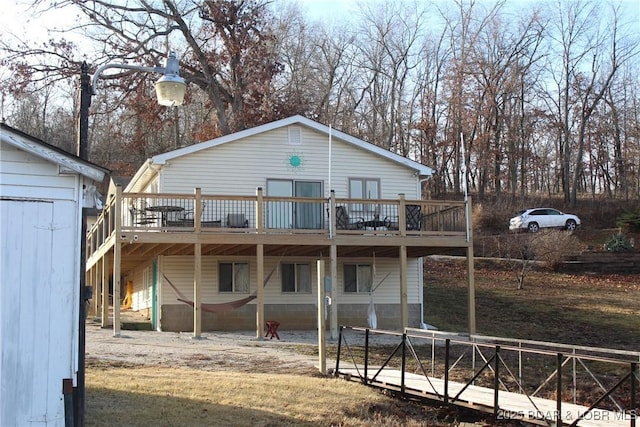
x,y
215,351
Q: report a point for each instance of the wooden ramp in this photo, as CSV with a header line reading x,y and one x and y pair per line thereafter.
x,y
531,381
512,406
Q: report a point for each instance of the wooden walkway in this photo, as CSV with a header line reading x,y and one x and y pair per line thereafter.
x,y
512,406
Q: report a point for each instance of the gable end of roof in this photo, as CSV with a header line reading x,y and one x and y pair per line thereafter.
x,y
420,169
39,148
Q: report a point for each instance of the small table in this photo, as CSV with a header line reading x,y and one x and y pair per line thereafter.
x,y
376,223
164,210
272,329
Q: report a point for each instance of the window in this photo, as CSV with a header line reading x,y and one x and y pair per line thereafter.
x,y
296,278
364,188
358,277
295,135
233,277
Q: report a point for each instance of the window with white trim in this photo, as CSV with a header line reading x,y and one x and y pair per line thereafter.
x,y
233,277
296,278
364,188
358,278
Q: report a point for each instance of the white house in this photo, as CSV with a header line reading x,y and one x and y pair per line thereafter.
x,y
41,201
235,225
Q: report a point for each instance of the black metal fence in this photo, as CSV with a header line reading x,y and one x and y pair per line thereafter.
x,y
554,383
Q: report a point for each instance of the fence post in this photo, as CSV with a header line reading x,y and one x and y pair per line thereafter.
x,y
559,391
447,344
632,406
366,355
335,373
404,360
496,382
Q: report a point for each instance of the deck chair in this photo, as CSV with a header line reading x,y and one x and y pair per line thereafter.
x,y
414,217
343,222
237,220
141,216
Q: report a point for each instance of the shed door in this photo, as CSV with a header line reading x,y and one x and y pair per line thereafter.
x,y
37,308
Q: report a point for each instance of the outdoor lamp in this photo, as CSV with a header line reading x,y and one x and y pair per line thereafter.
x,y
170,91
170,88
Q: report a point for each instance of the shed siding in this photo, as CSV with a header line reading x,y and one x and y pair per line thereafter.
x,y
39,307
179,270
26,175
241,167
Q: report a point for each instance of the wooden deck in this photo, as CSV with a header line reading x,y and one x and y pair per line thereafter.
x,y
512,406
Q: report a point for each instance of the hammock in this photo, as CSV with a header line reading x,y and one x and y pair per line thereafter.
x,y
217,307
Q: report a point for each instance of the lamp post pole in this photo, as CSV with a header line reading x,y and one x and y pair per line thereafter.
x,y
83,119
83,153
170,91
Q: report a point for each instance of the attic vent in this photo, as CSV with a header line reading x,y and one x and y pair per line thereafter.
x,y
295,135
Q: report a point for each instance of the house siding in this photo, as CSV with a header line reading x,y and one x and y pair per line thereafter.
x,y
296,310
239,164
179,317
240,168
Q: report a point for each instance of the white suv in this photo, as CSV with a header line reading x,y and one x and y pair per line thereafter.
x,y
537,218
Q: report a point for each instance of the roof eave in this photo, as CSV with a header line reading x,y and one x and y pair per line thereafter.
x,y
41,149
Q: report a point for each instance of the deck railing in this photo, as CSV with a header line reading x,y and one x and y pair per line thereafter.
x,y
153,212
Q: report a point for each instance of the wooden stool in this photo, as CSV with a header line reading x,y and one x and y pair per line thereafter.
x,y
272,329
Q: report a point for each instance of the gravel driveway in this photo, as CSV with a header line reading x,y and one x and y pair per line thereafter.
x,y
215,351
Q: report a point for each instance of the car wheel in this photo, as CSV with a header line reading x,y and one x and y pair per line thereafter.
x,y
533,227
571,225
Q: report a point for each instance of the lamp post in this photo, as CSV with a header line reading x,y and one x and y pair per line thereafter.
x,y
170,90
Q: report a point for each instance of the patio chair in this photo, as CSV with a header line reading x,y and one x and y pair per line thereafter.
x,y
414,217
141,216
237,220
344,222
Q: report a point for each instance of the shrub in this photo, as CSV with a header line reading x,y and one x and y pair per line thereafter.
x,y
488,220
553,246
618,243
629,221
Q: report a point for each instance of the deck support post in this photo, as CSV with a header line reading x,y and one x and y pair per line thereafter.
x,y
259,290
104,306
95,302
470,272
259,265
117,255
322,351
404,313
197,294
197,269
333,265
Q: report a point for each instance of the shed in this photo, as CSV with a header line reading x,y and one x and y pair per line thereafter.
x,y
42,192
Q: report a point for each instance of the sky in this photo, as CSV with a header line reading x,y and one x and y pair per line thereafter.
x,y
17,18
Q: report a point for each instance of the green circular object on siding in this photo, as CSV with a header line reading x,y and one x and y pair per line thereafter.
x,y
295,161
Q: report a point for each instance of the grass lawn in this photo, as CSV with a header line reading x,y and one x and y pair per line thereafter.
x,y
584,310
164,396
600,311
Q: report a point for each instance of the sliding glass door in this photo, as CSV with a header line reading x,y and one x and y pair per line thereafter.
x,y
283,214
